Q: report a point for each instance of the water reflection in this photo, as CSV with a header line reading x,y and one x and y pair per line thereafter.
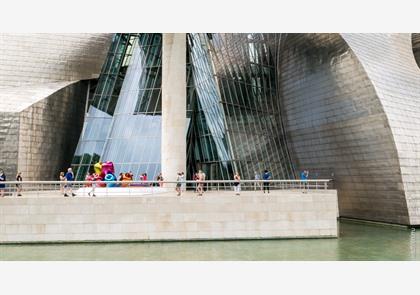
x,y
356,242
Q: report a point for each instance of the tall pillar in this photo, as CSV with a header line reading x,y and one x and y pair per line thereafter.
x,y
174,104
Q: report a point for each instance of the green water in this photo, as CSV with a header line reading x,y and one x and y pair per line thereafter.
x,y
356,242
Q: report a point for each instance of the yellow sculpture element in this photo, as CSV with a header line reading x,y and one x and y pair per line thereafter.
x,y
98,168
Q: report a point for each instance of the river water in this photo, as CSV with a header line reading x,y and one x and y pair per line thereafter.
x,y
356,242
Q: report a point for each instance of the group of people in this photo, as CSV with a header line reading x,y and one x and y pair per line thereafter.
x,y
266,176
199,178
3,185
66,187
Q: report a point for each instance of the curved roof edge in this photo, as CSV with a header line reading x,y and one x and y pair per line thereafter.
x,y
17,99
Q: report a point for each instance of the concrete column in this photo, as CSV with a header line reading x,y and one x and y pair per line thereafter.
x,y
174,104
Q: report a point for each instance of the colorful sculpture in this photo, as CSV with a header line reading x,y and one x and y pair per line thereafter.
x,y
125,179
108,178
108,167
98,168
105,172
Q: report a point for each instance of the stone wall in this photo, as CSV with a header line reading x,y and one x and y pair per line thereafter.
x,y
285,214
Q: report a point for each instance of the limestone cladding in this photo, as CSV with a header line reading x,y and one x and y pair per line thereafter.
x,y
286,214
174,105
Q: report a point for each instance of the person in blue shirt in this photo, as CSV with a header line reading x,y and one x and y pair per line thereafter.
x,y
304,177
266,177
69,176
2,185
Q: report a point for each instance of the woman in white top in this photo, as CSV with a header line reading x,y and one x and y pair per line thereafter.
x,y
237,183
62,178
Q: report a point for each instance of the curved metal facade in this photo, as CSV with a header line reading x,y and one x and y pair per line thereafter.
x,y
42,98
352,109
345,106
41,58
391,67
415,39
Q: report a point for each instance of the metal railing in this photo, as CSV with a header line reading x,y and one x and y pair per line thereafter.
x,y
137,188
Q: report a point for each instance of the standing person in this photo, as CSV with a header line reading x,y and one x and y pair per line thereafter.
x,y
62,179
257,178
304,178
178,184
69,178
183,184
266,178
2,185
88,178
19,185
93,180
237,183
159,179
200,182
303,175
120,176
195,178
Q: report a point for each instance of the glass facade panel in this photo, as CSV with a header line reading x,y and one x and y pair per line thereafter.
x,y
125,114
233,113
237,124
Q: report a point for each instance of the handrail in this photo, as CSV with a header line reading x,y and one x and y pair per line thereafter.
x,y
139,187
156,181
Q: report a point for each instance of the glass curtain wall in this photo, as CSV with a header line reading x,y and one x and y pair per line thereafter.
x,y
237,121
123,119
208,132
233,108
134,141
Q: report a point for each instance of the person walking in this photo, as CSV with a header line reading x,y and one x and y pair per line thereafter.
x,y
159,179
69,176
93,179
178,184
2,184
183,184
257,184
237,183
304,178
200,182
62,179
266,178
195,178
19,185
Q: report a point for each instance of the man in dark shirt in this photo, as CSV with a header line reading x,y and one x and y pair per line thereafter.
x,y
266,178
19,185
2,185
69,178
